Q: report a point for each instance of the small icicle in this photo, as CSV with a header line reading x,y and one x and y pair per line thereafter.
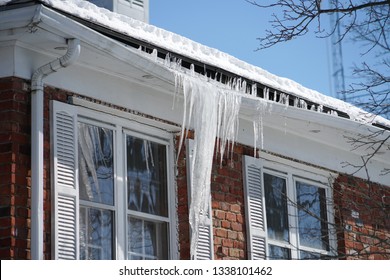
x,y
283,99
154,55
192,70
296,102
244,87
302,104
266,93
167,61
178,64
320,108
275,95
254,89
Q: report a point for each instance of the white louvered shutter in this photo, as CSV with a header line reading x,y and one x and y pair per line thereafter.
x,y
65,203
205,247
255,209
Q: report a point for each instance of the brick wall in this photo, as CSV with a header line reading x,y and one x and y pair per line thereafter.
x,y
15,167
362,209
362,218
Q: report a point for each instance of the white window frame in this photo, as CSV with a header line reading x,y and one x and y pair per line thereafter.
x,y
292,172
121,125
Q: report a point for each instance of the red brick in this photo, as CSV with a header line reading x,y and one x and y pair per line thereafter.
x,y
227,243
221,232
225,224
231,217
219,215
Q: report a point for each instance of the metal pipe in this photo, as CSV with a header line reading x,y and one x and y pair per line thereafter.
x,y
37,145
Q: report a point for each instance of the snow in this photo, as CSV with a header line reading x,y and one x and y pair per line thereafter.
x,y
186,47
3,2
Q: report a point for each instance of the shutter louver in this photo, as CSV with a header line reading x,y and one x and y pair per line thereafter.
x,y
254,201
65,185
139,3
204,248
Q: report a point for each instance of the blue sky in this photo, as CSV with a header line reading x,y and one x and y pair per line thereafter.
x,y
232,26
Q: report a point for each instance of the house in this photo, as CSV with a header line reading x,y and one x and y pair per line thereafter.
x,y
108,148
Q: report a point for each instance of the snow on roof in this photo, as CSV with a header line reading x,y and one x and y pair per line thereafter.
x,y
189,48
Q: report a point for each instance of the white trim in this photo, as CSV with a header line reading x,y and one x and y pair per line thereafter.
x,y
129,116
292,172
122,127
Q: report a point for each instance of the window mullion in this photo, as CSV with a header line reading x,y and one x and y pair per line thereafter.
x,y
293,216
120,195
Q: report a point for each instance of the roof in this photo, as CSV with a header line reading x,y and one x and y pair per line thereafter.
x,y
208,60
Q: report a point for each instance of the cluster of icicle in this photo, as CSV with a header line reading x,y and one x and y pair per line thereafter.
x,y
214,115
212,109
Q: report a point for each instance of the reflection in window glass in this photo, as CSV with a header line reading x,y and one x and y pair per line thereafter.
x,y
276,205
96,185
312,217
146,170
96,164
147,240
304,255
96,234
278,253
146,176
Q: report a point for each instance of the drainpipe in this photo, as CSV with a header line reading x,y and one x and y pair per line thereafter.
x,y
37,145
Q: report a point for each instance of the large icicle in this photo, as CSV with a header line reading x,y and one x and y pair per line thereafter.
x,y
214,114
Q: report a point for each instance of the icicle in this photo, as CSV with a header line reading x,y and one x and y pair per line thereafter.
x,y
266,93
258,126
243,87
296,102
302,104
192,70
320,108
167,61
275,95
313,108
213,112
254,90
154,55
284,99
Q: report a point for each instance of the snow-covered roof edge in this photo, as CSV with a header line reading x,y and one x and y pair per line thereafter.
x,y
189,48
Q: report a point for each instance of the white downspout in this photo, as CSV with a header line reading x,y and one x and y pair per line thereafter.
x,y
37,145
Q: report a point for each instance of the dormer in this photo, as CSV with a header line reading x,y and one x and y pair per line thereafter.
x,y
137,9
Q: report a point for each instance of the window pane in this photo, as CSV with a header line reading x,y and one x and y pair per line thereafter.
x,y
147,240
146,176
96,165
278,253
276,207
304,255
108,4
312,217
96,234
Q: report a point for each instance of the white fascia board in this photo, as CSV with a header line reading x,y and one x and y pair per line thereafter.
x,y
58,23
349,127
17,18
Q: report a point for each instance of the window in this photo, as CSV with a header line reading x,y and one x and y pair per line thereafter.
x,y
112,187
289,210
107,4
